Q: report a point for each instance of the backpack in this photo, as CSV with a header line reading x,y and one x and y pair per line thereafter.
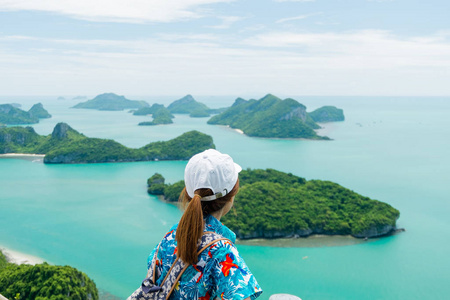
x,y
150,291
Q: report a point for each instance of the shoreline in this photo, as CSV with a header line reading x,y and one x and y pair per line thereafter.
x,y
25,156
20,258
312,241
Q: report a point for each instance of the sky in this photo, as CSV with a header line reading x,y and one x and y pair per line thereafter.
x,y
225,47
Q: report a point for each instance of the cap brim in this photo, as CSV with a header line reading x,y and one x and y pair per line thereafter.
x,y
237,167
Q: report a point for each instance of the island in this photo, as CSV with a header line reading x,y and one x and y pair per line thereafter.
x,y
327,114
199,113
39,111
274,204
186,105
44,281
111,102
12,115
269,117
160,114
195,109
80,98
67,146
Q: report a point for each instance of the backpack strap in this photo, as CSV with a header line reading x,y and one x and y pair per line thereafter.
x,y
152,269
180,266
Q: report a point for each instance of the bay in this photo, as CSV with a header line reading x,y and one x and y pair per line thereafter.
x,y
99,218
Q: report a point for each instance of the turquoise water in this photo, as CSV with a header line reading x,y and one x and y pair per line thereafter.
x,y
100,219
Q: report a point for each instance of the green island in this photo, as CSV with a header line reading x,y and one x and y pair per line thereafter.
x,y
195,109
111,102
44,282
160,114
327,114
269,117
67,146
12,115
274,204
187,105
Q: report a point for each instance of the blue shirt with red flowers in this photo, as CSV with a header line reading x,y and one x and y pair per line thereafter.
x,y
220,273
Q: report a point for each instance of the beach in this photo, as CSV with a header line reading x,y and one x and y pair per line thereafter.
x,y
26,156
19,258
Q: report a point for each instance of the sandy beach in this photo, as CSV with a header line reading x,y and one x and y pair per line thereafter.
x,y
25,156
20,258
325,128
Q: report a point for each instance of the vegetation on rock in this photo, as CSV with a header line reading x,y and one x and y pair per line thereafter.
x,y
199,114
272,204
44,282
186,105
39,111
327,114
66,145
161,115
155,184
111,101
143,111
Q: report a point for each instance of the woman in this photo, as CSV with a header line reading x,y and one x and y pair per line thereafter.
x,y
219,272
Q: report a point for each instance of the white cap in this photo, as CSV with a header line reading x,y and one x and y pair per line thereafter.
x,y
213,170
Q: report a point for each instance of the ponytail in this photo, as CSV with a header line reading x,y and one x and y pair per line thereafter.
x,y
190,227
189,231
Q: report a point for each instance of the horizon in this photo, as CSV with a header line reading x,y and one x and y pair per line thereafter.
x,y
373,48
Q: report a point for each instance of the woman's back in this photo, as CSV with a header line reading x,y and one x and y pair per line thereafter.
x,y
219,273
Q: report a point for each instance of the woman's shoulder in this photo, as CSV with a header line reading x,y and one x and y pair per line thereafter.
x,y
222,249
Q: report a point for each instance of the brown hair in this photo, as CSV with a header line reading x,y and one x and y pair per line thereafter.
x,y
190,228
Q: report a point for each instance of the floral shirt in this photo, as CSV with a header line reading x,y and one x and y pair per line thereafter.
x,y
220,272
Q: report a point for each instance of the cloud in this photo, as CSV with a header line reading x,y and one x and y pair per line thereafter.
x,y
364,50
363,62
301,17
129,11
296,0
227,21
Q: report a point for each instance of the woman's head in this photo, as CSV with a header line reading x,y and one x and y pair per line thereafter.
x,y
211,180
212,170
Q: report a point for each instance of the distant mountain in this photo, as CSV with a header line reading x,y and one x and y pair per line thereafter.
x,y
269,117
200,113
60,98
143,111
11,115
111,101
66,145
327,114
79,98
186,105
160,114
39,111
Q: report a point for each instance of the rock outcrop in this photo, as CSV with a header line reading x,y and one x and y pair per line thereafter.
x,y
60,131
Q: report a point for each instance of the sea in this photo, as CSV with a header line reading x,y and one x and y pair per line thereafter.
x,y
100,219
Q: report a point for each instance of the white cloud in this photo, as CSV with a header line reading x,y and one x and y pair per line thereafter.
x,y
301,17
295,0
134,11
369,62
227,21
